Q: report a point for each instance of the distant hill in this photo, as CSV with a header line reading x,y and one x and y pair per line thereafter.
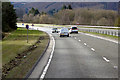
x,y
49,7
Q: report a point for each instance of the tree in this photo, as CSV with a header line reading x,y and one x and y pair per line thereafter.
x,y
25,18
102,21
64,7
69,7
9,18
117,22
43,13
31,16
34,11
37,12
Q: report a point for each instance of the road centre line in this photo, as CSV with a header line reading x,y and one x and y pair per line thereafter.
x,y
107,60
115,67
92,49
85,44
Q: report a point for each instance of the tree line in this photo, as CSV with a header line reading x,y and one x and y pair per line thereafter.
x,y
66,16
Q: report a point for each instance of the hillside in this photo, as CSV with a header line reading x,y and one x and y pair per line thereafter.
x,y
22,7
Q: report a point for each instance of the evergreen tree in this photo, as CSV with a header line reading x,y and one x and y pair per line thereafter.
x,y
64,7
34,11
43,13
9,18
69,6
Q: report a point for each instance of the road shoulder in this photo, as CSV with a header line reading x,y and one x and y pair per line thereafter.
x,y
100,37
37,72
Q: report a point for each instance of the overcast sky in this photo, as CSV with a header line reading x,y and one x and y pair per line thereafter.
x,y
61,0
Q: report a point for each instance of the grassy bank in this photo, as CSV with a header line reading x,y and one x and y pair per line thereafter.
x,y
103,35
18,56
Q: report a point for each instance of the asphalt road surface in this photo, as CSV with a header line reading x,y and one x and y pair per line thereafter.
x,y
82,56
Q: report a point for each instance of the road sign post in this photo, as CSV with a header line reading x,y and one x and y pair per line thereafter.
x,y
27,27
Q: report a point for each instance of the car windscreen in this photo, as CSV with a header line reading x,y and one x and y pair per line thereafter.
x,y
54,29
64,30
74,27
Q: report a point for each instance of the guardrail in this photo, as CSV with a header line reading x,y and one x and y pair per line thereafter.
x,y
102,31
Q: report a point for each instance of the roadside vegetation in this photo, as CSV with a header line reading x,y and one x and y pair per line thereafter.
x,y
9,18
67,15
18,56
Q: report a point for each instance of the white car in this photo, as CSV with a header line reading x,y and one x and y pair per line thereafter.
x,y
73,29
64,32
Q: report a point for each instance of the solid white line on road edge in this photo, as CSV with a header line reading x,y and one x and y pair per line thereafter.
x,y
85,44
79,40
50,58
100,37
92,49
107,60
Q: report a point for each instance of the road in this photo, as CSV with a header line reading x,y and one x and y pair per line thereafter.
x,y
82,56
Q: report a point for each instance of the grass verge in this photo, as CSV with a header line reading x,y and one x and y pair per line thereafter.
x,y
103,35
18,55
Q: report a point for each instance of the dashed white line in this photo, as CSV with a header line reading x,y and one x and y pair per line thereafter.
x,y
75,38
79,40
115,67
85,44
107,60
92,49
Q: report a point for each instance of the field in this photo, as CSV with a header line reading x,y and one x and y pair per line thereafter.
x,y
18,56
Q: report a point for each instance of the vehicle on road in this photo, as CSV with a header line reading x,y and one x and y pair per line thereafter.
x,y
55,30
73,29
32,25
64,32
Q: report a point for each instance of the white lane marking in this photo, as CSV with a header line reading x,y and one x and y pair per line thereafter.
x,y
85,44
107,60
75,38
92,49
100,37
115,67
79,40
49,61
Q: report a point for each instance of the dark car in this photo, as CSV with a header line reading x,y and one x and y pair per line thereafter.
x,y
55,30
